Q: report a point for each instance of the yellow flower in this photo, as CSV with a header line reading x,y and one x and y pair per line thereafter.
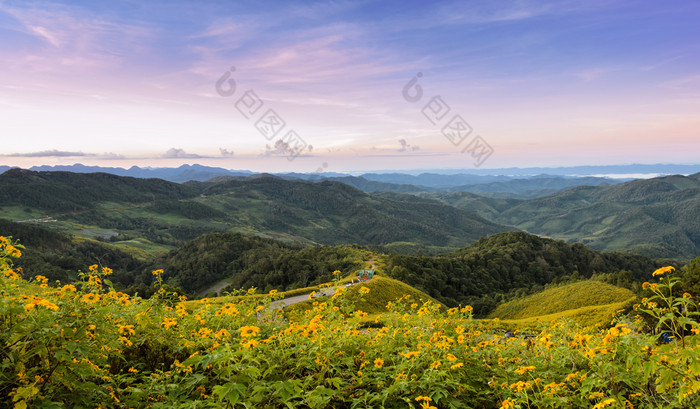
x,y
68,287
571,376
251,291
364,290
36,301
93,267
378,363
435,365
451,357
409,355
95,280
249,343
524,369
107,271
90,298
41,279
507,404
457,365
249,331
336,272
133,370
222,334
228,309
605,403
423,398
169,322
158,272
124,340
459,329
126,329
663,270
273,292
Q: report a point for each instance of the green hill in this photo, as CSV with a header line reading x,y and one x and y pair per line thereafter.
x,y
382,290
509,264
656,217
169,214
563,298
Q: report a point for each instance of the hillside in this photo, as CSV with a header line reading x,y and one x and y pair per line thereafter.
x,y
383,292
656,217
168,214
563,298
249,261
507,264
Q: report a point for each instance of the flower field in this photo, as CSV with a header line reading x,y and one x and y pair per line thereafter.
x,y
85,345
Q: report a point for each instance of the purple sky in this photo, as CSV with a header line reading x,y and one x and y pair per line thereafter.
x,y
540,83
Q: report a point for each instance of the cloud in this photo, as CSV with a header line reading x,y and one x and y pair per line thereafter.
x,y
175,153
405,146
225,152
49,153
79,38
283,148
111,156
46,35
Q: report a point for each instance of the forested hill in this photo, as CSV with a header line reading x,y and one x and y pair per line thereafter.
x,y
657,217
248,261
170,214
481,273
66,191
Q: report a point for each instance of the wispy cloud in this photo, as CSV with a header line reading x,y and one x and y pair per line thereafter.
x,y
48,153
77,37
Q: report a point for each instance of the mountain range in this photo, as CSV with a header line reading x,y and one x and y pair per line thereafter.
x,y
656,217
167,213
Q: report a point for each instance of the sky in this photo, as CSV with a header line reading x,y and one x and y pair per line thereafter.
x,y
340,86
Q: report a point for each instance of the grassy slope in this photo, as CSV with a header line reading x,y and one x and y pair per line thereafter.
x,y
381,291
586,302
591,316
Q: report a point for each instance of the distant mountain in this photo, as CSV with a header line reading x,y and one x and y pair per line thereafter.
x,y
590,170
168,213
180,174
657,217
536,186
67,191
433,180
